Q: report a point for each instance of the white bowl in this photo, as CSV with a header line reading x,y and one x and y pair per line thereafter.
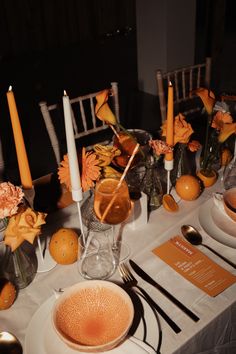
x,y
93,316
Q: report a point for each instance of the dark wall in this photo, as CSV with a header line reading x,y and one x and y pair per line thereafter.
x,y
47,46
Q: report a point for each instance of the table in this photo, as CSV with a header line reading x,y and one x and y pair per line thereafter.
x,y
216,330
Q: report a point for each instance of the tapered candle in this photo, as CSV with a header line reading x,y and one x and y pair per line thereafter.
x,y
170,122
76,189
23,164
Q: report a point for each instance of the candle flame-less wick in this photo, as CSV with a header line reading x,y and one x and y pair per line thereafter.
x,y
10,88
65,94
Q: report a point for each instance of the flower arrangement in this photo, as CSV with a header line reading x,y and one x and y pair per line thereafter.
x,y
182,132
23,223
220,127
96,163
182,142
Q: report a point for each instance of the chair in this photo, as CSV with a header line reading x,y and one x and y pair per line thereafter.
x,y
85,123
1,163
184,81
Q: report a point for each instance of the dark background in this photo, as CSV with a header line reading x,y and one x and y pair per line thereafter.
x,y
47,46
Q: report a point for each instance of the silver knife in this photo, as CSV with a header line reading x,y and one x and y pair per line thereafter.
x,y
151,281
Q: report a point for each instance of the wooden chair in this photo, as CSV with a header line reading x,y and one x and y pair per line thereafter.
x,y
184,80
85,123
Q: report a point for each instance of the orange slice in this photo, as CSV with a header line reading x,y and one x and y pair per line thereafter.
x,y
169,203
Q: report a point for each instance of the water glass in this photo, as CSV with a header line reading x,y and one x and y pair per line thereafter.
x,y
96,259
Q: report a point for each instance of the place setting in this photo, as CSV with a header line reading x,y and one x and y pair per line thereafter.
x,y
215,219
114,189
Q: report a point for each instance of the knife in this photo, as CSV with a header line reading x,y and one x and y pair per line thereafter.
x,y
151,281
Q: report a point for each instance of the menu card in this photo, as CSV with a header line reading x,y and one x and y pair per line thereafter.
x,y
195,266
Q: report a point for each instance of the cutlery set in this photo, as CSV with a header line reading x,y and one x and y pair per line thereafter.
x,y
131,282
193,236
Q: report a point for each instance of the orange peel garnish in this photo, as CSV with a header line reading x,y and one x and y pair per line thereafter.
x,y
169,203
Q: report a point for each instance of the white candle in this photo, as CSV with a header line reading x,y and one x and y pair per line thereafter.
x,y
76,189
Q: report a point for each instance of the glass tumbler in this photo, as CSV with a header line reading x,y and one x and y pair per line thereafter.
x,y
96,259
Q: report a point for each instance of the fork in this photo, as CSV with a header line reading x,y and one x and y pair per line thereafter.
x,y
131,282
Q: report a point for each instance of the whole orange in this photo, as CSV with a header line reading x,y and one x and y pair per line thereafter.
x,y
7,293
188,187
63,246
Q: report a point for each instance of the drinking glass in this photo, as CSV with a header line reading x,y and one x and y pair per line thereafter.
x,y
96,259
229,175
112,205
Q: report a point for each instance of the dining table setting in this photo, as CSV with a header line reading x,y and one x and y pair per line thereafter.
x,y
142,259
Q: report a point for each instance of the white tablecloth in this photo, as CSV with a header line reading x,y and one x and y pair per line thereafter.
x,y
216,330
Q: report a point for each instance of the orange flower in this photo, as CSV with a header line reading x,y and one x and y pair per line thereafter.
x,y
64,172
102,110
160,147
194,145
207,97
24,226
90,169
220,119
182,129
227,130
10,197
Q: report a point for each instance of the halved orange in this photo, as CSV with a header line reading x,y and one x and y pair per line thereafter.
x,y
169,203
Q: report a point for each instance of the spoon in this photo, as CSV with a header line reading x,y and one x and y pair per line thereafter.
x,y
195,238
9,344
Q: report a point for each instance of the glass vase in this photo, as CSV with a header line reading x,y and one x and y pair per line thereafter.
x,y
182,164
3,225
19,266
151,184
89,218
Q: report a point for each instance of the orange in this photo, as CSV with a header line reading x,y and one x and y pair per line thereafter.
x,y
63,246
209,179
169,203
188,187
7,293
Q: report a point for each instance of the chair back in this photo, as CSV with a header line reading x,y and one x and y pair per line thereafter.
x,y
84,120
184,81
1,163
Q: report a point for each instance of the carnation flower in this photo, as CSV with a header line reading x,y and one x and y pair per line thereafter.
x,y
160,147
10,197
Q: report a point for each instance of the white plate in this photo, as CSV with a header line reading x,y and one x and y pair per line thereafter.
x,y
223,221
42,339
207,223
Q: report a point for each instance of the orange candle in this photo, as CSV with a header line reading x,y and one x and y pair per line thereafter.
x,y
170,121
23,164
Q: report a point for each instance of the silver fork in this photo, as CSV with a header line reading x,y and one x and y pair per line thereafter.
x,y
131,282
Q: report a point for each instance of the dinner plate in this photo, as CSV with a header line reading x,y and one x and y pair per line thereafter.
x,y
207,223
42,339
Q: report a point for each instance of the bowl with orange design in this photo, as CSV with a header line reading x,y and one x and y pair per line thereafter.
x,y
93,316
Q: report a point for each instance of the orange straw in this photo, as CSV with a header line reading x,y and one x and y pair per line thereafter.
x,y
119,184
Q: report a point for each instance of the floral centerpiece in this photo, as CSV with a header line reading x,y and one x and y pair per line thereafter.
x,y
182,134
22,224
220,127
